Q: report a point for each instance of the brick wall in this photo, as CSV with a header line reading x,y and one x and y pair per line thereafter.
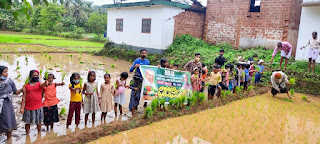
x,y
189,22
231,21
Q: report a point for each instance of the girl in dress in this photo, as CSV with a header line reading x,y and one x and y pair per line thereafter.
x,y
31,105
91,103
7,116
50,102
120,98
106,94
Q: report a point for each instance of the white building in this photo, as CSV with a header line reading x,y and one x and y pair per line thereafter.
x,y
147,24
309,22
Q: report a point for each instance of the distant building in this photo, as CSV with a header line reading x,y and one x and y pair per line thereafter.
x,y
309,22
153,24
252,23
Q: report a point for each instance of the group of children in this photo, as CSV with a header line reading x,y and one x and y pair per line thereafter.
x,y
36,111
227,78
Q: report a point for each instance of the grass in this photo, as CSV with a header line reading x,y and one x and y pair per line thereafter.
x,y
40,39
84,49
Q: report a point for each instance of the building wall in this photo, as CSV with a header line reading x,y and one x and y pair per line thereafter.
x,y
162,26
189,22
230,21
310,22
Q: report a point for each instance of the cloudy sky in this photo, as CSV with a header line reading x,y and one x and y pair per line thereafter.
x,y
103,2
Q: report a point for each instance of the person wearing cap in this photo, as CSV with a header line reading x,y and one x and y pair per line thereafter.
x,y
279,81
194,63
286,49
313,52
259,72
220,60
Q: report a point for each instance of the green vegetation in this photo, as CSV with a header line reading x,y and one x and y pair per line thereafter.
x,y
62,112
5,39
288,100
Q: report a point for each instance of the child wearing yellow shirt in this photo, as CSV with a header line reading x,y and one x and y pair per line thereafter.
x,y
76,99
214,80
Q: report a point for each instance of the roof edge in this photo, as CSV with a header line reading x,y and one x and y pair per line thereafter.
x,y
310,4
148,3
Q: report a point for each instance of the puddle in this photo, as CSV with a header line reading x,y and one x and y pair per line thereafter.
x,y
67,64
252,120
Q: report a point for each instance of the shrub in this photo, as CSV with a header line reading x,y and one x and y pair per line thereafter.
x,y
148,113
97,39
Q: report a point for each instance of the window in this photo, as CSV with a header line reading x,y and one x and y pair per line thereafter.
x,y
255,5
146,26
119,25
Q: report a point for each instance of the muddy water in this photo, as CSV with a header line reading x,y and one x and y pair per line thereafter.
x,y
68,64
260,119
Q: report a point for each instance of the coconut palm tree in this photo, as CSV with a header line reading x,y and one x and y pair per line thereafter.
x,y
79,9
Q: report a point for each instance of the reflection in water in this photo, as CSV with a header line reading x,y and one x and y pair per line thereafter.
x,y
69,65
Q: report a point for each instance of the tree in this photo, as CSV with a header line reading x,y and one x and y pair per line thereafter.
x,y
51,16
79,9
24,7
97,22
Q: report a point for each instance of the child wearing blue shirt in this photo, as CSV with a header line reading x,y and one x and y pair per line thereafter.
x,y
260,69
247,76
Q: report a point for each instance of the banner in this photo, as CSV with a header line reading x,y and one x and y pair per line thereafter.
x,y
164,83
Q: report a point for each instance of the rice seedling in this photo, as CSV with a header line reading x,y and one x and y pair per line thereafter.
x,y
80,58
49,58
154,104
101,64
46,54
107,71
103,57
304,98
1,55
19,75
81,82
112,66
115,58
242,87
171,102
26,81
292,92
18,63
130,61
7,56
41,53
228,93
63,76
288,100
62,112
71,56
181,101
162,103
46,74
201,97
148,113
223,94
80,53
26,58
250,88
95,89
18,68
292,81
81,62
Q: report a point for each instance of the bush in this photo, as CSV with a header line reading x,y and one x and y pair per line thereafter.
x,y
97,39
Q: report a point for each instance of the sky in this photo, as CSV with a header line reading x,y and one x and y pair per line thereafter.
x,y
103,2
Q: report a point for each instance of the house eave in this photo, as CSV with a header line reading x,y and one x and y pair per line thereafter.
x,y
148,3
310,4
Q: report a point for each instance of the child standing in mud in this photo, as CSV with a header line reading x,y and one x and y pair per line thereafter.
x,y
214,80
51,101
31,105
119,97
91,103
135,85
76,99
106,94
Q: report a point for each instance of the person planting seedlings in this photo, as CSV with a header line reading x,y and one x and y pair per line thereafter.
x,y
313,52
279,81
286,49
214,80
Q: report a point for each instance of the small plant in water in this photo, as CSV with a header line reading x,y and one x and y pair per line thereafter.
x,y
19,75
107,71
18,68
49,58
81,62
115,58
26,58
45,55
292,81
292,92
63,76
7,56
71,56
288,100
62,111
18,63
112,66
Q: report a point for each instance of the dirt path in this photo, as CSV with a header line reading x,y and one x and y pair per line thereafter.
x,y
253,120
